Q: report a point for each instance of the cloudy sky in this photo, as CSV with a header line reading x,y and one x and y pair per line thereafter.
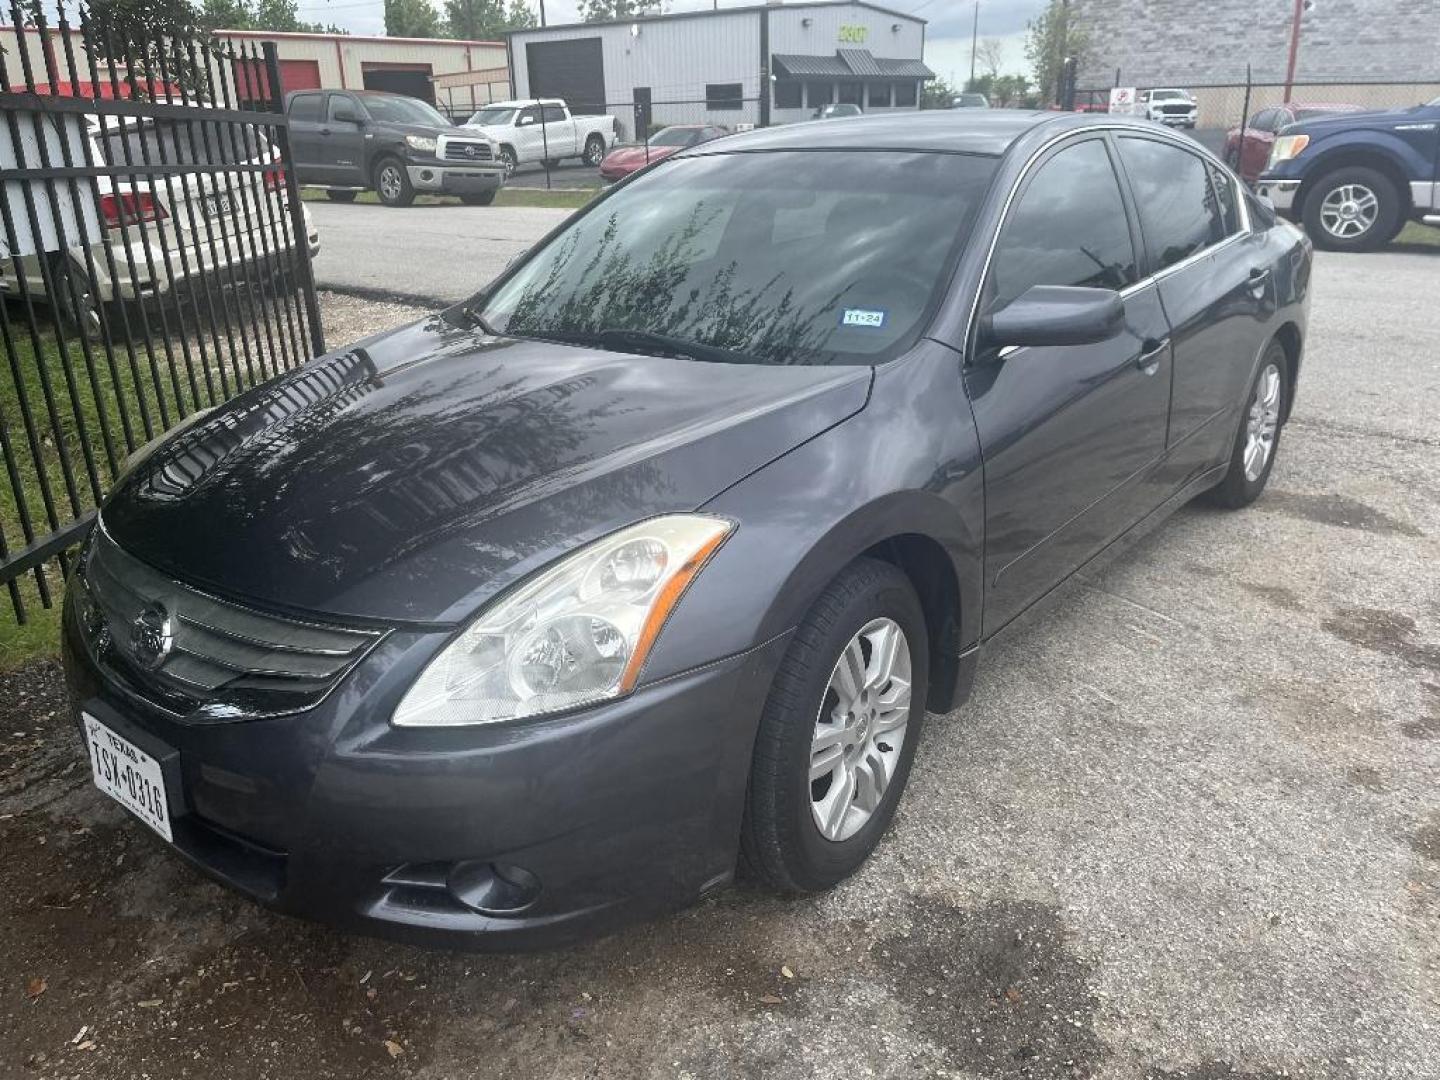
x,y
947,48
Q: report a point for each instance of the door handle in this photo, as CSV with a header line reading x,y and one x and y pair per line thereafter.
x,y
324,131
1150,355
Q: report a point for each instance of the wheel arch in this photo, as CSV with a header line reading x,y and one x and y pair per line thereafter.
x,y
931,571
1366,157
1291,340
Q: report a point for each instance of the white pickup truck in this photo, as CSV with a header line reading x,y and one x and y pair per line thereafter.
x,y
543,129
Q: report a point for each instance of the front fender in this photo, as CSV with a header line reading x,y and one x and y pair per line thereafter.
x,y
908,464
1393,151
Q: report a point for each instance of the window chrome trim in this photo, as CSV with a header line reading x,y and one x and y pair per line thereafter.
x,y
1157,135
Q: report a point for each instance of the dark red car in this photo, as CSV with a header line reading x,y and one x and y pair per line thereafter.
x,y
1250,160
624,160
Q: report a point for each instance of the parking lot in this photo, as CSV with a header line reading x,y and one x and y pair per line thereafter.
x,y
1188,827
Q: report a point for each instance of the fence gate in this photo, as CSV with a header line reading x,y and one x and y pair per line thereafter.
x,y
154,260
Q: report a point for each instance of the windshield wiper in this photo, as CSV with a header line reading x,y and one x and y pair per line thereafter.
x,y
664,345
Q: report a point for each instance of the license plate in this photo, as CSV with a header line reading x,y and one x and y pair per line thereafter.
x,y
216,205
128,775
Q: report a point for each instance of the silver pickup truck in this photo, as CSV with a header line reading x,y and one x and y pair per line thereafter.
x,y
543,129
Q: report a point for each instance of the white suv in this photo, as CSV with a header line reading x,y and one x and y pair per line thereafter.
x,y
1175,108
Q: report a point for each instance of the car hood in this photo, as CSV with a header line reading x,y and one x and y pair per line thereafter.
x,y
1340,121
411,477
429,131
635,155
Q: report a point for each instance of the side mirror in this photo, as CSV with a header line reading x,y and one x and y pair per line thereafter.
x,y
1055,315
345,116
525,121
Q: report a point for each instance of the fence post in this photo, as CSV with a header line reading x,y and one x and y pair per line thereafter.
x,y
292,191
1244,120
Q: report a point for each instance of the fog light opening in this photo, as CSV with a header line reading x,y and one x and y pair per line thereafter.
x,y
493,888
427,175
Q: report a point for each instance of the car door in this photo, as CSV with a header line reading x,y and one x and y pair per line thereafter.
x,y
529,139
1069,433
306,112
1214,283
559,132
344,140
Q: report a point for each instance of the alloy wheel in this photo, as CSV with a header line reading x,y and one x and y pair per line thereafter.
x,y
860,729
1349,210
594,152
1262,422
507,158
390,182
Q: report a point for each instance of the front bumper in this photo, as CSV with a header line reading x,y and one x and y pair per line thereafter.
x,y
1281,193
457,180
617,812
1185,120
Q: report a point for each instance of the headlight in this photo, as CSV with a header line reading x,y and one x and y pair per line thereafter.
x,y
1287,147
425,144
577,633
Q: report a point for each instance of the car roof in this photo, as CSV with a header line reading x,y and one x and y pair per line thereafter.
x,y
979,131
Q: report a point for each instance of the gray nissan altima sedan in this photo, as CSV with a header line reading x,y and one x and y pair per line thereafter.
x,y
548,611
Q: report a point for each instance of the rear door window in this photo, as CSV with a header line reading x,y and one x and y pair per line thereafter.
x,y
1069,228
1179,209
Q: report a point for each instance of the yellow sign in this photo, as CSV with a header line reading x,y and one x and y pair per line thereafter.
x,y
853,35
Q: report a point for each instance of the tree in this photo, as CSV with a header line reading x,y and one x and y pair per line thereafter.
x,y
282,16
411,18
936,94
484,20
990,54
612,10
1052,38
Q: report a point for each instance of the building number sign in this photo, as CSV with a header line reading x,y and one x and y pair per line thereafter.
x,y
853,35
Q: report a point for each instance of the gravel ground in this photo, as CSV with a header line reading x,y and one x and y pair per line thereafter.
x,y
1187,829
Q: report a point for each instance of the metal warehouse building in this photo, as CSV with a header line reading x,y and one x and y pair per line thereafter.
x,y
768,64
454,75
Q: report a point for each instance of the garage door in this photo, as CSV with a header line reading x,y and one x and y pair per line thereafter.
x,y
252,84
573,70
413,80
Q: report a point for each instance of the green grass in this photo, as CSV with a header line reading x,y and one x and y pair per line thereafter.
x,y
80,404
1417,235
560,198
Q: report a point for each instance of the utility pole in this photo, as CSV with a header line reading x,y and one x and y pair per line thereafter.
x,y
974,40
1294,47
542,12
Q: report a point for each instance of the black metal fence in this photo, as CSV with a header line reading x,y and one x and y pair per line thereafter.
x,y
156,260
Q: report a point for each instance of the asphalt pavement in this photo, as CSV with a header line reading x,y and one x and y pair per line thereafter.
x,y
422,253
1188,827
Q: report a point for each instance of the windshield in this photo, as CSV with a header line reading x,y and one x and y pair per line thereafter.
x,y
794,257
674,136
403,110
1167,95
488,117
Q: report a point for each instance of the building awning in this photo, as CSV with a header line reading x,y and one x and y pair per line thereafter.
x,y
847,64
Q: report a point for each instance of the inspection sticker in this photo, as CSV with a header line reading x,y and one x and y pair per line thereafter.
x,y
862,317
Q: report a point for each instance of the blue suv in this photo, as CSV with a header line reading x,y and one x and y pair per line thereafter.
x,y
1354,179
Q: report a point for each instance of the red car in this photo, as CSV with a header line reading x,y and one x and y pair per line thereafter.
x,y
624,160
1260,134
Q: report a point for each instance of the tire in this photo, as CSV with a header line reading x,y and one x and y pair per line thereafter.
x,y
82,314
1351,209
594,150
781,840
507,155
1263,409
392,183
340,195
483,198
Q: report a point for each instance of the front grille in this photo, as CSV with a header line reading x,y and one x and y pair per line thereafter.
x,y
200,657
1172,110
467,151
